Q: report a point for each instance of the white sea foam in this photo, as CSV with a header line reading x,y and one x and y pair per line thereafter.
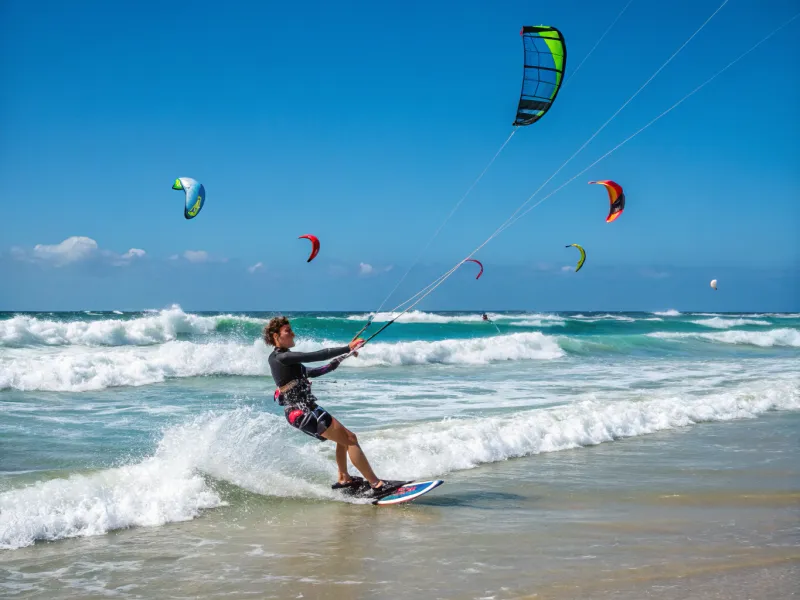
x,y
721,323
606,317
416,316
472,351
433,449
668,313
80,369
749,315
156,491
766,339
164,326
244,447
538,323
258,452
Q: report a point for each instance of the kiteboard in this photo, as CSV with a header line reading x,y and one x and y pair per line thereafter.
x,y
409,491
401,492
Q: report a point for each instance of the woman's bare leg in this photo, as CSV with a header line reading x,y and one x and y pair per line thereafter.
x,y
341,435
341,463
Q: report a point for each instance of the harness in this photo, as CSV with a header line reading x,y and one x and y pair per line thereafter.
x,y
285,388
296,393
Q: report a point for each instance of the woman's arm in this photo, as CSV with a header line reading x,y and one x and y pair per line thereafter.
x,y
331,366
294,358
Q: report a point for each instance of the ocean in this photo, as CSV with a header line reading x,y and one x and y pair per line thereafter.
x,y
585,455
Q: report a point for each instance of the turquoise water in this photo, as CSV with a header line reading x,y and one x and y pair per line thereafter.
x,y
135,421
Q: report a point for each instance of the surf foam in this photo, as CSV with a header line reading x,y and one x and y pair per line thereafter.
x,y
259,452
78,369
766,339
153,492
164,326
244,447
606,317
434,449
722,323
82,369
472,351
416,316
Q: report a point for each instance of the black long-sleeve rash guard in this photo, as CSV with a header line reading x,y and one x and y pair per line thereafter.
x,y
287,366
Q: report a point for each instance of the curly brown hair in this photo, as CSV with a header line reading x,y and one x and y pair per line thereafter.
x,y
274,328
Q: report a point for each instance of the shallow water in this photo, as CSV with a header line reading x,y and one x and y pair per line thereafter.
x,y
600,456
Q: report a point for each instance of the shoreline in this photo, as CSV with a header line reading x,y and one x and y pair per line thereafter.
x,y
663,516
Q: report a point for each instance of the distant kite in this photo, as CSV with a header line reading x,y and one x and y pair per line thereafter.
x,y
714,284
582,258
314,245
616,197
479,264
195,195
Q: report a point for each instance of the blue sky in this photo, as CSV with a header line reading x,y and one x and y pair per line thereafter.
x,y
364,125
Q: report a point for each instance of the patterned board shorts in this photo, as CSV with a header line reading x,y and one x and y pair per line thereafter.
x,y
312,421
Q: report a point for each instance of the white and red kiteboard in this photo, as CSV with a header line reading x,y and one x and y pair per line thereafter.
x,y
409,491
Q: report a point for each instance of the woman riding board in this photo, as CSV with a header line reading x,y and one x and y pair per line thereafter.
x,y
301,408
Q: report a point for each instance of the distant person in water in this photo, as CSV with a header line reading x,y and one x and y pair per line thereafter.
x,y
301,408
485,317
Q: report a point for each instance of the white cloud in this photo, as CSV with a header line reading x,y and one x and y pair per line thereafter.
x,y
567,268
366,269
72,249
256,267
134,253
196,256
124,259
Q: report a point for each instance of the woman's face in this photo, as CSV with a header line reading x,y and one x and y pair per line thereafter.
x,y
285,338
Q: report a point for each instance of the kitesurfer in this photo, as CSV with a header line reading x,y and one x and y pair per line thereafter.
x,y
485,317
301,408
